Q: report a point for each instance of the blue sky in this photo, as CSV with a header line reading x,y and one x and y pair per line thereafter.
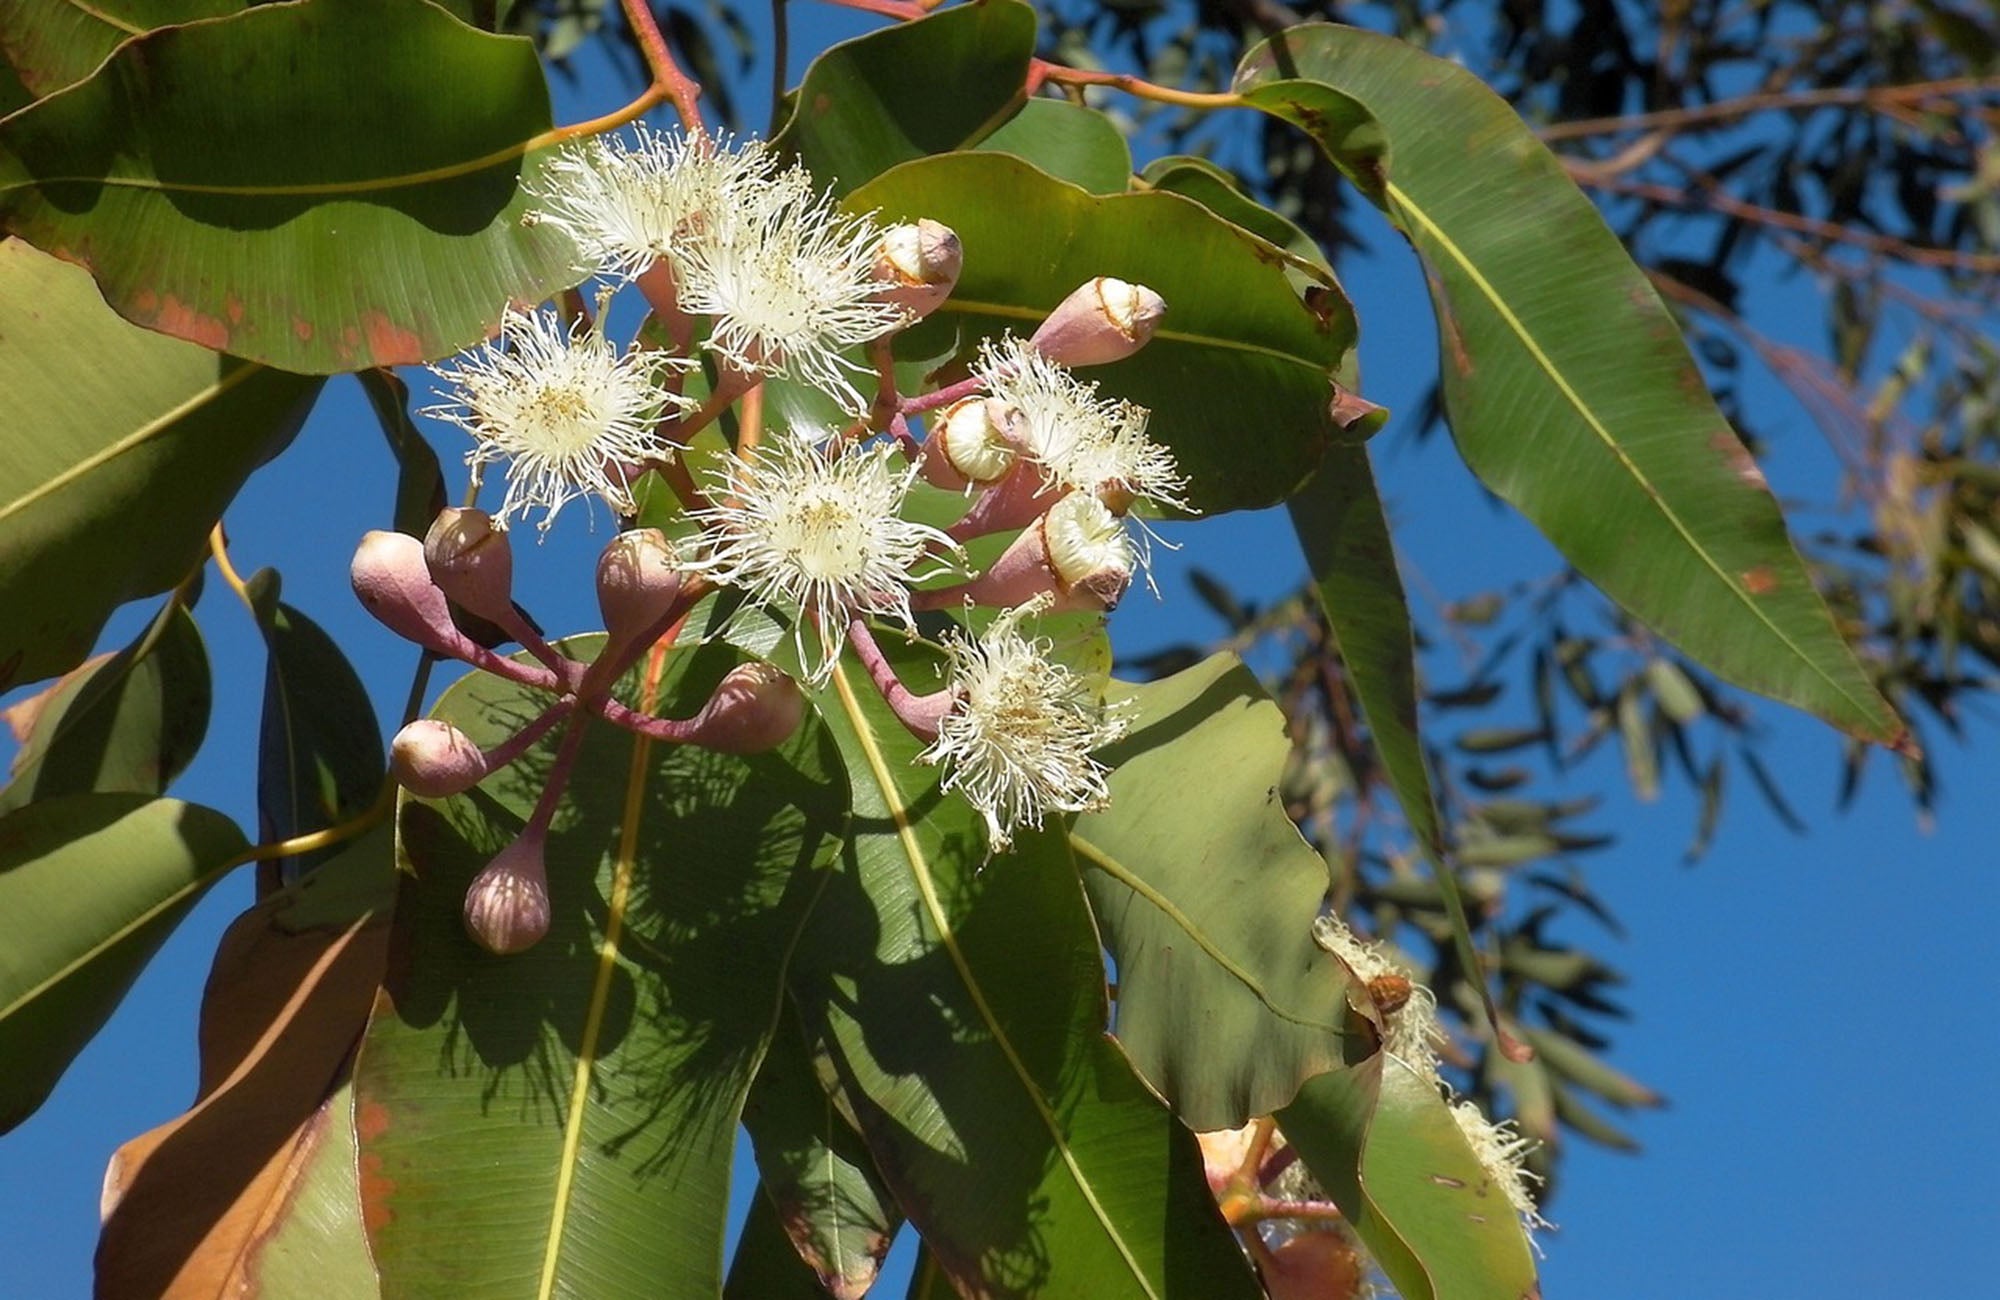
x,y
1817,1008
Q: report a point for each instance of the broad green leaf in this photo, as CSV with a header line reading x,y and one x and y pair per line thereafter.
x,y
562,1121
255,1190
1383,1143
963,1011
135,444
90,886
324,186
1069,142
1225,1003
56,43
918,88
319,752
766,1266
1216,189
817,1177
13,95
130,723
1566,383
1239,375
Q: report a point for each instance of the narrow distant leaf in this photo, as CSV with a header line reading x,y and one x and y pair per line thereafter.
x,y
1774,795
1566,1057
254,1190
1566,383
1239,376
138,442
1635,728
1383,1143
295,184
130,723
1711,811
564,1119
90,887
962,1011
930,86
1225,1003
1588,1122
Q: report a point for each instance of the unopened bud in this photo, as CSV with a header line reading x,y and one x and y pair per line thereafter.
x,y
507,906
1314,1264
920,261
472,562
433,759
638,581
755,707
394,584
981,438
1105,320
1088,550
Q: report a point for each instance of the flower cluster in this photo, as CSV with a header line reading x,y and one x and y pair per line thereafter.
x,y
745,264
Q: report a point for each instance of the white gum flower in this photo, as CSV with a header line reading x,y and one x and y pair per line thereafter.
x,y
822,534
560,405
1500,1150
788,287
1080,440
1411,1031
627,205
1018,739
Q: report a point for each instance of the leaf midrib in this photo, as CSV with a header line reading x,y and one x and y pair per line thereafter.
x,y
948,940
1403,202
152,428
1117,870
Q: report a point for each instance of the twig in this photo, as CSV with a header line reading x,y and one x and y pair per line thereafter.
x,y
1676,119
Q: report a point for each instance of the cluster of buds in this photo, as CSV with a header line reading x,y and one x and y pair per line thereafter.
x,y
411,586
745,264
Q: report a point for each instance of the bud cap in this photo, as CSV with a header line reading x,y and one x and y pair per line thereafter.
x,y
507,906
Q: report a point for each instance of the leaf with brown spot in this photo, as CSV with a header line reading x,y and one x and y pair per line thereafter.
x,y
322,186
252,1191
1567,386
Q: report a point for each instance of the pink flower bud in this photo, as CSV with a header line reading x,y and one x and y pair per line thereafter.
x,y
507,906
472,562
920,260
755,707
394,584
1104,320
1311,1265
638,581
1076,555
433,759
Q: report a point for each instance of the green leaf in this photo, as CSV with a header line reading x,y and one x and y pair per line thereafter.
x,y
1225,1003
90,886
296,184
918,88
130,723
817,1177
765,1265
1345,535
56,43
1069,142
1239,376
1384,1145
136,445
319,1247
1216,189
319,754
963,1011
1566,383
420,491
565,1118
